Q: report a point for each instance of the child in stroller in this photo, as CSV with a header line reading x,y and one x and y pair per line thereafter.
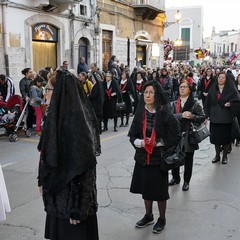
x,y
11,117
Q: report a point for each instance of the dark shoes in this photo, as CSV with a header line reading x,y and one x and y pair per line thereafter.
x,y
121,125
224,160
237,143
216,159
185,186
104,129
147,220
159,225
115,130
173,182
126,125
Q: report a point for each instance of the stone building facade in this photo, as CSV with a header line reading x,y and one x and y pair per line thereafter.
x,y
132,30
40,33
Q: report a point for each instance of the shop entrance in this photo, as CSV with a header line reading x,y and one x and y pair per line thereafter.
x,y
44,46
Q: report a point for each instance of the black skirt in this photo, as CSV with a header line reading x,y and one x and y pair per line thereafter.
x,y
220,133
150,182
61,229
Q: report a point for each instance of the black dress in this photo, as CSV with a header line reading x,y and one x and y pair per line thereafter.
x,y
149,180
61,229
127,88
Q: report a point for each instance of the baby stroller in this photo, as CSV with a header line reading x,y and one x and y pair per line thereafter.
x,y
12,117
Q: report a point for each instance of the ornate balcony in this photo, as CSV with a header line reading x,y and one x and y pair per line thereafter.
x,y
148,9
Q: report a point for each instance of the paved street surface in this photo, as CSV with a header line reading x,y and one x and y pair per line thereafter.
x,y
210,210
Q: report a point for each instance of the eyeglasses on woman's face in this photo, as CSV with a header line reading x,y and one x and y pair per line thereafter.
x,y
151,93
183,86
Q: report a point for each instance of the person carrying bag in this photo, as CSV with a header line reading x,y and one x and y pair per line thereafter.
x,y
187,111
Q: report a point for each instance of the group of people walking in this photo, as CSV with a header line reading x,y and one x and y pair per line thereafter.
x,y
165,104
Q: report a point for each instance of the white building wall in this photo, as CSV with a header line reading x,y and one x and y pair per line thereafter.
x,y
191,17
19,33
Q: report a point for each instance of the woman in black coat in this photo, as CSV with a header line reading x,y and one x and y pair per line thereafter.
x,y
96,98
138,83
154,129
205,84
126,87
67,168
187,111
218,109
112,96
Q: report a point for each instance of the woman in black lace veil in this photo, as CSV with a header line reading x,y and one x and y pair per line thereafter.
x,y
67,169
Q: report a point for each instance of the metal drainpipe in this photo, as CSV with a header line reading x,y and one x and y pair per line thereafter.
x,y
5,39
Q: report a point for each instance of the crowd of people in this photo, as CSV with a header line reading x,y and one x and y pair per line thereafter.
x,y
165,103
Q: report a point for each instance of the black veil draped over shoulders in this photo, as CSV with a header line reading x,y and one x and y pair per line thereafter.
x,y
71,136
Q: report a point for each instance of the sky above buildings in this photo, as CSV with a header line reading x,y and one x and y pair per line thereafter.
x,y
224,15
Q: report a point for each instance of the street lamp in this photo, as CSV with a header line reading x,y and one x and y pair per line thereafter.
x,y
177,17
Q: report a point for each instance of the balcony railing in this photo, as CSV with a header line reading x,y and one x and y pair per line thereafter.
x,y
158,4
149,9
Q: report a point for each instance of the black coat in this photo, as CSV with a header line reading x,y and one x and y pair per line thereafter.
x,y
96,98
198,117
167,128
109,105
203,88
214,107
125,95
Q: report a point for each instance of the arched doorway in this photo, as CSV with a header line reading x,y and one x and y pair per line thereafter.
x,y
142,48
84,49
44,46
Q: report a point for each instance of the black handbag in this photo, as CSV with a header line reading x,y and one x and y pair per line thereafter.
x,y
120,106
235,132
174,157
198,133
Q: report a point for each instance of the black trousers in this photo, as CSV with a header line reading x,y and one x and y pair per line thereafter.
x,y
30,116
188,166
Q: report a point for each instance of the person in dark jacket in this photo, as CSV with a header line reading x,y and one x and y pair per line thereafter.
x,y
218,109
112,96
96,98
205,84
111,61
82,66
127,91
7,88
154,129
67,168
24,86
138,83
187,111
166,82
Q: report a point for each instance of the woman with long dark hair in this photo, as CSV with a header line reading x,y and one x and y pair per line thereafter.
x,y
187,111
154,129
218,109
24,86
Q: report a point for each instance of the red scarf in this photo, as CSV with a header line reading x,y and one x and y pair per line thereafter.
x,y
206,83
109,92
162,80
219,95
139,86
123,86
148,145
178,106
